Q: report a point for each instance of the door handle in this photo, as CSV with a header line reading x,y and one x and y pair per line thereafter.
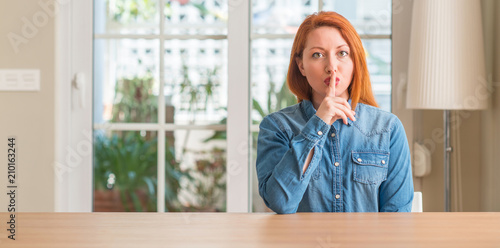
x,y
79,85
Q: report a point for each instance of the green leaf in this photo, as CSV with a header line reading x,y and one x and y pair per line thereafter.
x,y
136,202
124,200
257,107
151,186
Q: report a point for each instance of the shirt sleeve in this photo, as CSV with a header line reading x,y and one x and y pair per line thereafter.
x,y
396,193
280,161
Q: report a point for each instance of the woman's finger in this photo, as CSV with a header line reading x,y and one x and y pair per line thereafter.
x,y
331,86
343,102
341,114
347,111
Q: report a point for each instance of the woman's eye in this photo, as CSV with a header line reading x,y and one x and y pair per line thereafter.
x,y
343,53
317,55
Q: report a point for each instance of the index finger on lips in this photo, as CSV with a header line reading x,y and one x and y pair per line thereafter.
x,y
332,83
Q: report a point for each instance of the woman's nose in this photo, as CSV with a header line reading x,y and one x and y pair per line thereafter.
x,y
331,66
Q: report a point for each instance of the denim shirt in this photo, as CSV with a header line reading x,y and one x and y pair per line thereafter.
x,y
363,166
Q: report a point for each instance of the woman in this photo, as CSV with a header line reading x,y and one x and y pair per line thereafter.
x,y
334,151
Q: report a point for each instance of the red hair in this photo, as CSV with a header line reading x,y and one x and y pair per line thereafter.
x,y
360,89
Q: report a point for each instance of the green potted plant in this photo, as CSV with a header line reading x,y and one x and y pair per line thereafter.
x,y
125,165
209,188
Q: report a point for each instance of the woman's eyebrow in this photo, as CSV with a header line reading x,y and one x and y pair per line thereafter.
x,y
316,47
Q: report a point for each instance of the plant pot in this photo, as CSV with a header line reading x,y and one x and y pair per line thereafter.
x,y
110,201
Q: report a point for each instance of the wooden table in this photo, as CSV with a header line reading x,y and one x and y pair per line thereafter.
x,y
315,230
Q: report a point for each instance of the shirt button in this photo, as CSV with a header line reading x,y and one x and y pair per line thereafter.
x,y
333,135
359,160
383,161
336,164
337,196
320,133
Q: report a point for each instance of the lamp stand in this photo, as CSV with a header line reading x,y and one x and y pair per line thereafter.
x,y
447,154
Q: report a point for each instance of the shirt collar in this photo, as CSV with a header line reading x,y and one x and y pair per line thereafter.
x,y
309,110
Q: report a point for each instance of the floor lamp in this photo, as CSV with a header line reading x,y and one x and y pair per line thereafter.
x,y
446,64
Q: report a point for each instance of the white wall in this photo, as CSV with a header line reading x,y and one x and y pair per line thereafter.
x,y
477,133
28,115
478,136
490,185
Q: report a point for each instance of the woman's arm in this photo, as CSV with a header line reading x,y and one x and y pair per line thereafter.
x,y
396,193
308,161
283,167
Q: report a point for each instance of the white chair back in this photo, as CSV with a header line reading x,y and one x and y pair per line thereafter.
x,y
417,202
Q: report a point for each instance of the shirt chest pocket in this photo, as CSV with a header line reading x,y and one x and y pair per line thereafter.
x,y
370,167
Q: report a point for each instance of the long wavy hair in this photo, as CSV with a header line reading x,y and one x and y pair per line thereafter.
x,y
360,89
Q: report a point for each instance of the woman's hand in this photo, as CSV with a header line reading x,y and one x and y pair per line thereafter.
x,y
333,108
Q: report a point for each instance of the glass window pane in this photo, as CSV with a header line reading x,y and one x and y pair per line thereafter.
x,y
280,16
196,81
196,17
126,16
270,59
125,80
379,65
367,16
126,90
125,167
201,154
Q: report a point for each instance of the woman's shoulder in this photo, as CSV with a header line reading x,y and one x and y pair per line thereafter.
x,y
292,111
286,118
372,120
374,110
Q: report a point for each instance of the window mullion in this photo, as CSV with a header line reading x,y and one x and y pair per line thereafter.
x,y
157,36
238,107
160,204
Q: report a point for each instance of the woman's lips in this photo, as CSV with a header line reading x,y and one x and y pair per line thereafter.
x,y
327,81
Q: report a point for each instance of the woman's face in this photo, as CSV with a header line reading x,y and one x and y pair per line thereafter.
x,y
326,51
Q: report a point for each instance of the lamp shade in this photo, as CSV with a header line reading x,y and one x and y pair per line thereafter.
x,y
446,65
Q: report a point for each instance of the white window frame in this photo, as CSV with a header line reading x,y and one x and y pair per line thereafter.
x,y
73,188
73,108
